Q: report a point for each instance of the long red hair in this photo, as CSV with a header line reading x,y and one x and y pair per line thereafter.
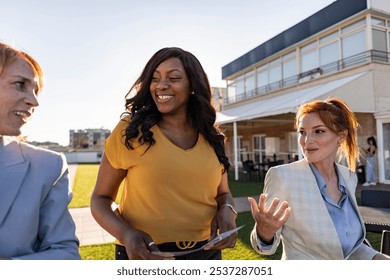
x,y
339,118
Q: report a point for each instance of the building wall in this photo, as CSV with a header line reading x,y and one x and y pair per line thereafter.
x,y
83,157
88,139
247,130
382,88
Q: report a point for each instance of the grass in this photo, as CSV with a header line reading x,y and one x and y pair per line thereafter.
x,y
244,189
85,180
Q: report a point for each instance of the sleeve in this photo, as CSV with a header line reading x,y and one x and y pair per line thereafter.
x,y
115,149
273,187
363,252
57,231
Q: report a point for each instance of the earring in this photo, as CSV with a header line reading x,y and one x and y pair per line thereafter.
x,y
192,92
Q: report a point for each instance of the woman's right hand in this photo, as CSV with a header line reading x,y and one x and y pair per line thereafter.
x,y
268,221
140,246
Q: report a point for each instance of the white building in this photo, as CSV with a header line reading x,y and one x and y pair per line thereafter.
x,y
86,145
341,51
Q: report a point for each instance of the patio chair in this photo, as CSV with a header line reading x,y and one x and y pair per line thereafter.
x,y
385,242
375,198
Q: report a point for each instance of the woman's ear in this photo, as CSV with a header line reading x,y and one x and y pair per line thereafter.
x,y
343,135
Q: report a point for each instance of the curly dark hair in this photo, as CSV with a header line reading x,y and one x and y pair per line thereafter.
x,y
144,113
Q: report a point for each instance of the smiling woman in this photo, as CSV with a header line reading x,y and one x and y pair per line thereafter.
x,y
170,154
310,205
34,217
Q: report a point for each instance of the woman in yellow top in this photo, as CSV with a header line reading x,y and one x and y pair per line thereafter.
x,y
170,154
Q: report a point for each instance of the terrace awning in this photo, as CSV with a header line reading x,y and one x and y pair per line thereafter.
x,y
356,90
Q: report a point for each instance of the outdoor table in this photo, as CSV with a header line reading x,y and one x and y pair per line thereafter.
x,y
375,219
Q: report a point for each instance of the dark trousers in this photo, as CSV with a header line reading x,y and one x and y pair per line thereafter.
x,y
120,252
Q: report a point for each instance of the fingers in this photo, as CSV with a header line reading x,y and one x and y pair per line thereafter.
x,y
258,209
213,229
276,214
273,205
253,205
145,249
229,242
283,212
150,251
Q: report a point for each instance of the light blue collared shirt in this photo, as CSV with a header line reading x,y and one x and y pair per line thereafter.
x,y
343,214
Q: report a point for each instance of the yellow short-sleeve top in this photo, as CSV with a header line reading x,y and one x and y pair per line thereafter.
x,y
168,192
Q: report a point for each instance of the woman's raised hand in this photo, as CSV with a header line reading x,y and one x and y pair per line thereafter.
x,y
268,221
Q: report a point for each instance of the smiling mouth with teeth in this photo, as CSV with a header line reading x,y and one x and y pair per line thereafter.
x,y
23,115
164,97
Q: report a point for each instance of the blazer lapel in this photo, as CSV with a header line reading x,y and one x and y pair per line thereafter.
x,y
13,169
322,217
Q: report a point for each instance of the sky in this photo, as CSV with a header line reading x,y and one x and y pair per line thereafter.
x,y
92,51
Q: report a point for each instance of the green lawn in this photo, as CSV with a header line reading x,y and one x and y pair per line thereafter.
x,y
84,183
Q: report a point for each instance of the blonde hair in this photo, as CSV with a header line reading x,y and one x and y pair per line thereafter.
x,y
338,117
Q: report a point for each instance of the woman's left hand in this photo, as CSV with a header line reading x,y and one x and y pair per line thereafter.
x,y
223,221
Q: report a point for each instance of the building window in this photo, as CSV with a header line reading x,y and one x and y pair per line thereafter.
x,y
353,26
272,147
378,21
290,68
331,37
386,149
353,45
262,80
250,84
240,87
231,92
242,152
379,40
309,61
275,75
259,148
329,53
379,45
293,145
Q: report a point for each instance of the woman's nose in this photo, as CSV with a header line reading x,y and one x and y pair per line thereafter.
x,y
32,99
163,84
309,138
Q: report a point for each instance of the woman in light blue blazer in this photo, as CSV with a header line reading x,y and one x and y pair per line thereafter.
x,y
34,190
310,205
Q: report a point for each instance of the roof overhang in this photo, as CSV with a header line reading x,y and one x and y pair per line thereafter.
x,y
356,90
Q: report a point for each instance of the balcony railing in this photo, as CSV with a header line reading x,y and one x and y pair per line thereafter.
x,y
361,58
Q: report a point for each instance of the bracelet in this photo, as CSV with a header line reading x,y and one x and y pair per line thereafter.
x,y
230,206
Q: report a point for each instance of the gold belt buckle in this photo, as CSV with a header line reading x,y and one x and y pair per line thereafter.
x,y
182,245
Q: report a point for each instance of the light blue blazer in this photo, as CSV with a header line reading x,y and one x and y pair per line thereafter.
x,y
309,232
35,222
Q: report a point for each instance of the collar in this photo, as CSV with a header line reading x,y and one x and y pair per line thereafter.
x,y
321,182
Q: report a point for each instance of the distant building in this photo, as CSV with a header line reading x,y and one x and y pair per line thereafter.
x,y
88,139
86,145
217,94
